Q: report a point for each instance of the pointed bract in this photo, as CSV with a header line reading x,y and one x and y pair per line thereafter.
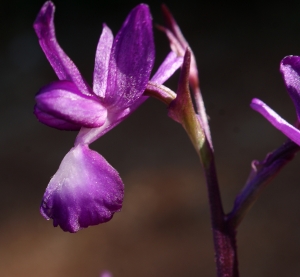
x,y
86,190
182,110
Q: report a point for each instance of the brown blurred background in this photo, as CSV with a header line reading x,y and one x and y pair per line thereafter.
x,y
164,228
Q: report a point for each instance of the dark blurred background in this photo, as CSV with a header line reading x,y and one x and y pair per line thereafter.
x,y
164,228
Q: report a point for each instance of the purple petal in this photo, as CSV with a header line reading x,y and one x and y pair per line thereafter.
x,y
54,122
171,63
63,100
278,122
86,190
131,60
290,69
102,61
64,68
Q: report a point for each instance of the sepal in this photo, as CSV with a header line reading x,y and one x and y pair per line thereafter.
x,y
131,60
63,66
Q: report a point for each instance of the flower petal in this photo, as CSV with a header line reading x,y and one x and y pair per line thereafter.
x,y
290,69
64,68
86,190
54,122
276,120
171,63
102,61
63,100
132,59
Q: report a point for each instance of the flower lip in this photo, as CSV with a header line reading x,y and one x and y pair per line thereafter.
x,y
86,190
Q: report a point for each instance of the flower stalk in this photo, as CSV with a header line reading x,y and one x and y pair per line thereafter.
x,y
224,235
262,173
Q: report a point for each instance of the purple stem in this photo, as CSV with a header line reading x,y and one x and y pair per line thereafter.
x,y
224,234
261,175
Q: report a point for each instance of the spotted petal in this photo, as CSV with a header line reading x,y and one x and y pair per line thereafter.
x,y
86,190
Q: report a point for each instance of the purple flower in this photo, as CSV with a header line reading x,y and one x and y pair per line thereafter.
x,y
290,69
122,70
86,190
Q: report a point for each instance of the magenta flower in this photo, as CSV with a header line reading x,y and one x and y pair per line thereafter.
x,y
86,190
290,69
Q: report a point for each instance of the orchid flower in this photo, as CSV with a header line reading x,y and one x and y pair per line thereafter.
x,y
86,190
290,69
